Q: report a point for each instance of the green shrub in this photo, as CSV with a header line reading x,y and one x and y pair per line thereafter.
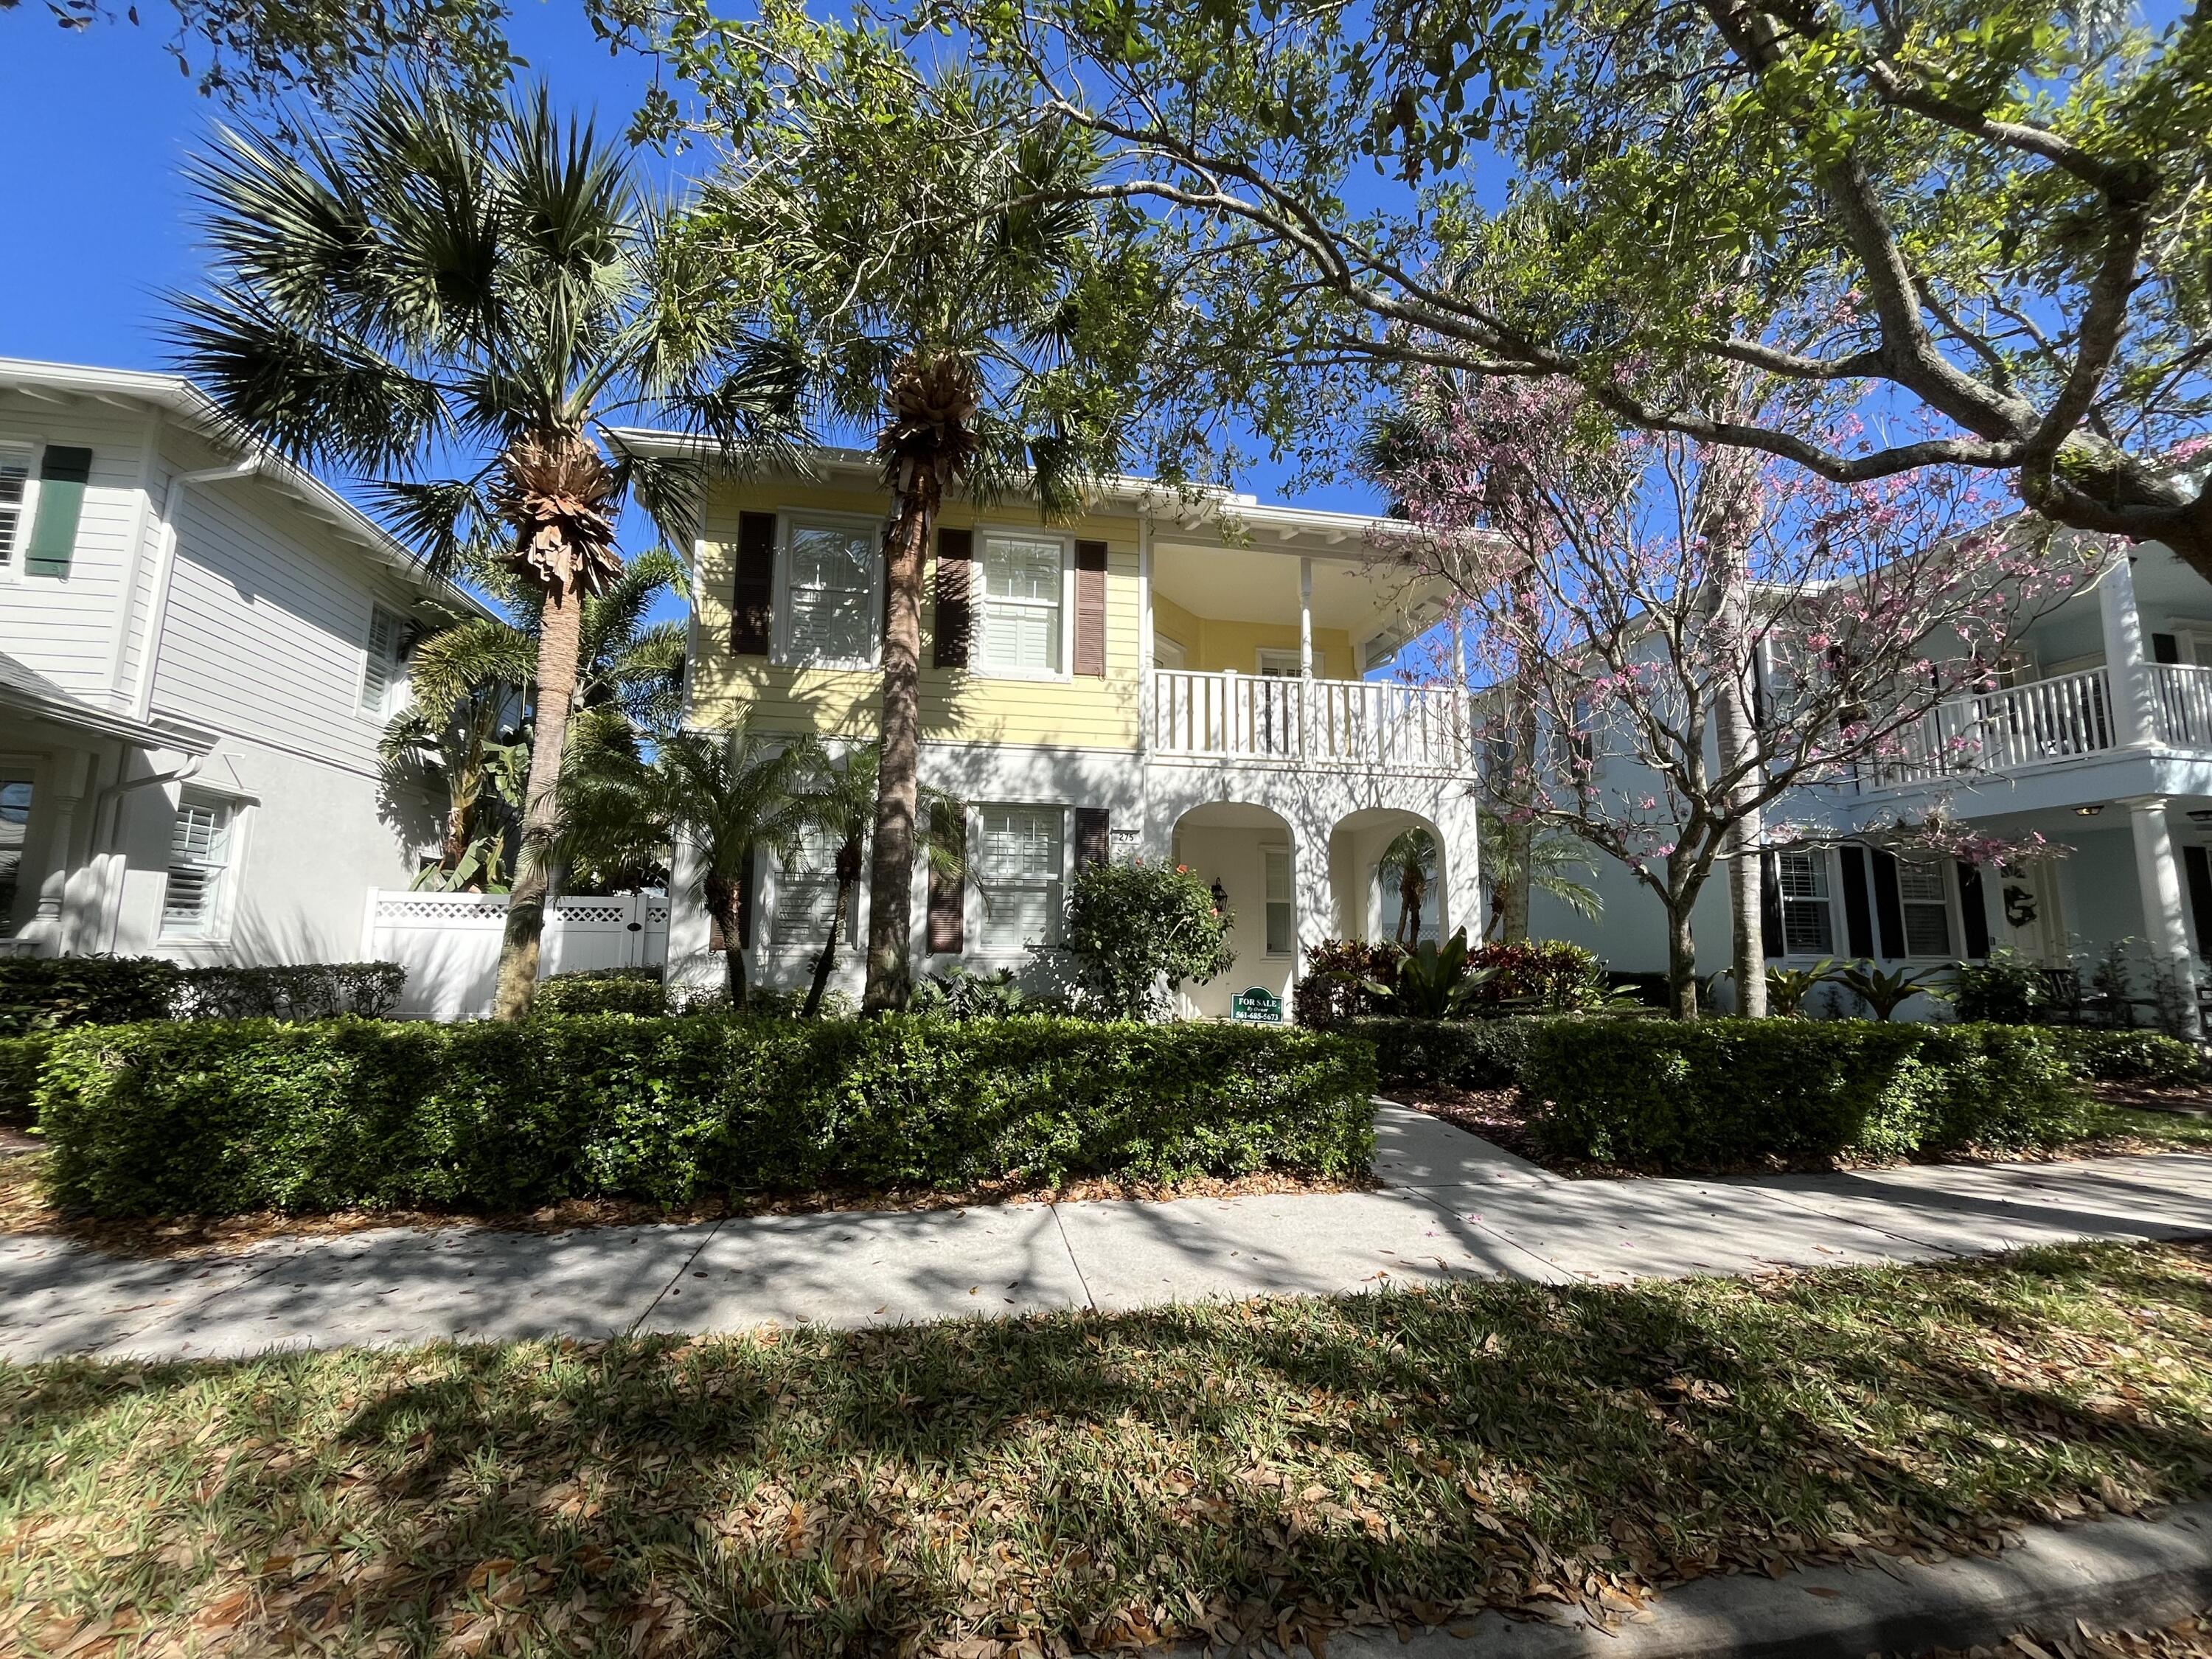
x,y
20,1057
1462,1054
1134,926
1657,1095
306,990
51,993
1556,974
218,1119
2007,989
1333,989
2128,1056
604,991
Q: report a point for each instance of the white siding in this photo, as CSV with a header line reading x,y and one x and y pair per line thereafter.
x,y
63,626
267,617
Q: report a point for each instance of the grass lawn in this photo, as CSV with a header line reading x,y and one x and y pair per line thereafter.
x,y
1217,1472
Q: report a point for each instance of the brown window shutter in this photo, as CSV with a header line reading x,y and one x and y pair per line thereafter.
x,y
753,596
955,583
745,901
1090,608
1091,838
949,830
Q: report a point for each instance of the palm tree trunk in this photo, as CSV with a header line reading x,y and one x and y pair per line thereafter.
x,y
898,782
722,899
558,638
828,960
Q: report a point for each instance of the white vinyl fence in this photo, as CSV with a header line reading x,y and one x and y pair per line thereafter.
x,y
448,942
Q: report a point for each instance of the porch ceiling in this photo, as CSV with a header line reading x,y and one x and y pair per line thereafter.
x,y
1261,584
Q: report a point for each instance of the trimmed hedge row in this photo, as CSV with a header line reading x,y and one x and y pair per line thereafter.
x,y
2128,1056
1660,1094
54,993
167,1119
604,991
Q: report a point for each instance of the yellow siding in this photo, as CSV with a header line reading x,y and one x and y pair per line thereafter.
x,y
1214,645
957,706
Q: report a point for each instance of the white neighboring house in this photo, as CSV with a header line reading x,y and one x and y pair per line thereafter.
x,y
199,645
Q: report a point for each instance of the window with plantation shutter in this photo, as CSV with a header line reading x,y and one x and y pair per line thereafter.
x,y
199,849
831,608
15,491
384,667
807,893
1926,899
1024,600
1809,922
1019,873
14,829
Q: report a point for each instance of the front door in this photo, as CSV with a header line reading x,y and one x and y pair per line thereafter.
x,y
2034,922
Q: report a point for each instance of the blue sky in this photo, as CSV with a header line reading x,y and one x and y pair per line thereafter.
x,y
96,125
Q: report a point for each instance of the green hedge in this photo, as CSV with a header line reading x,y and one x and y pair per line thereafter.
x,y
55,993
20,1057
2128,1056
604,991
1469,1054
171,1119
1660,1094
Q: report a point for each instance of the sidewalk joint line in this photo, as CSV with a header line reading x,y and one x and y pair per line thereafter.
x,y
1068,1244
676,1277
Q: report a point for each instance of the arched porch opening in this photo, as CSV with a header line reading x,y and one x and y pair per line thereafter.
x,y
1370,854
1251,854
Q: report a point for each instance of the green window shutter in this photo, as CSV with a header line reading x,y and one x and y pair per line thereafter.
x,y
62,474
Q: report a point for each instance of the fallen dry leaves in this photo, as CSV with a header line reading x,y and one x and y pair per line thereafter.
x,y
1255,1474
2185,1638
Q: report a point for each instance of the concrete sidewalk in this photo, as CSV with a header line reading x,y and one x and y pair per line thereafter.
x,y
1454,1207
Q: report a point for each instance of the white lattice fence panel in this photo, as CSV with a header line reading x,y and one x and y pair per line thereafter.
x,y
449,943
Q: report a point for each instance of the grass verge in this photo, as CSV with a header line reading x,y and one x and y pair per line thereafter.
x,y
1261,1471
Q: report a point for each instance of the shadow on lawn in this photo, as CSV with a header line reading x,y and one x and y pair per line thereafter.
x,y
1270,1468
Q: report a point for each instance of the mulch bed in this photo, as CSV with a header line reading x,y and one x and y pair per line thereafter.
x,y
24,1209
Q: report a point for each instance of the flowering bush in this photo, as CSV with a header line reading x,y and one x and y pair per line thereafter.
x,y
1332,991
1134,927
1556,972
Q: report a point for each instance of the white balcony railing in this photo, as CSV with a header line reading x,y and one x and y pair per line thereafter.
x,y
2183,692
1337,724
2008,730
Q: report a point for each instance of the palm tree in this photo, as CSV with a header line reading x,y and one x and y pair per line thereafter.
x,y
725,796
1411,859
839,803
457,753
1550,861
423,285
912,239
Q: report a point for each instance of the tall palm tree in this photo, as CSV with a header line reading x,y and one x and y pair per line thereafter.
x,y
1548,861
1411,861
725,796
912,239
451,306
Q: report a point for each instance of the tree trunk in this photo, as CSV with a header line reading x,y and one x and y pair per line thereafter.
x,y
1518,831
1738,735
722,903
557,642
1681,954
1727,507
898,787
824,963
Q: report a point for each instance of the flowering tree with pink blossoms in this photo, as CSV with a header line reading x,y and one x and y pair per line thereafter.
x,y
1664,638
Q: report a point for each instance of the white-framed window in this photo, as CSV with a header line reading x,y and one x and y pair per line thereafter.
x,y
199,859
1809,916
16,486
14,831
1282,911
1022,617
383,663
1018,871
807,893
832,605
1925,897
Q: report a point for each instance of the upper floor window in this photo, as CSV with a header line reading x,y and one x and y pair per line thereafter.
x,y
15,493
1926,899
1024,600
200,859
1019,875
832,608
384,663
1808,920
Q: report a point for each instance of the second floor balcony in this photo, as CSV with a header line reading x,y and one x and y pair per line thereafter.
x,y
1297,721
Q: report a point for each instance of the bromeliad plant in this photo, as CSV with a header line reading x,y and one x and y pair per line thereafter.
x,y
1433,983
1787,988
1884,993
420,285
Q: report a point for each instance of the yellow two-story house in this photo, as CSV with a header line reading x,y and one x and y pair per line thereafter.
x,y
1161,679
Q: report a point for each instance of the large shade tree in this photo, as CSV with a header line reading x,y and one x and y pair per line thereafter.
x,y
450,309
1991,216
924,251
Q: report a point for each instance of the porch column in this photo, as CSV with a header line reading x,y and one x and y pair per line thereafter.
x,y
2158,874
69,774
2135,706
1146,655
1311,889
1305,657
